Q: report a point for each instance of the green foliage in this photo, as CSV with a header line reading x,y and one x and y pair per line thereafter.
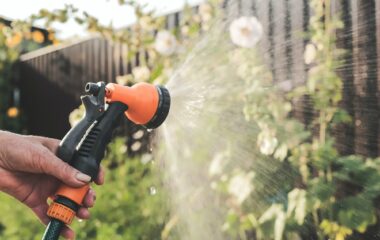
x,y
17,221
130,205
15,38
10,40
332,196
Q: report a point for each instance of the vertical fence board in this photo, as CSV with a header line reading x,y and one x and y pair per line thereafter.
x,y
124,61
248,7
278,20
365,81
170,21
298,69
83,61
345,132
116,59
297,18
378,67
110,73
263,16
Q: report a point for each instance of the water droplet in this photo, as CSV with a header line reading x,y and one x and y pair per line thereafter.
x,y
80,220
138,135
136,146
146,158
149,130
152,190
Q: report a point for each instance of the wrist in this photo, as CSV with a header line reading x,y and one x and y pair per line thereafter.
x,y
3,146
3,150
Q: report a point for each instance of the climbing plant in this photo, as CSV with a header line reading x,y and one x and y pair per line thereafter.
x,y
330,196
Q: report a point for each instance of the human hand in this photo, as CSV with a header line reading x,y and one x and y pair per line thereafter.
x,y
31,173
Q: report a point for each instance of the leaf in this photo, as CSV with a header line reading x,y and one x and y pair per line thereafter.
x,y
372,185
334,230
342,116
297,204
281,152
275,212
271,213
279,225
321,190
356,212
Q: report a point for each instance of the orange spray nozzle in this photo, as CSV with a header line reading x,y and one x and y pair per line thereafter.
x,y
148,105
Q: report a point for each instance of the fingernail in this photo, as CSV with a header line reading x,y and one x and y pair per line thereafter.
x,y
93,193
83,177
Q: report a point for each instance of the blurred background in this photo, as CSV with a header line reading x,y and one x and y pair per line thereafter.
x,y
292,153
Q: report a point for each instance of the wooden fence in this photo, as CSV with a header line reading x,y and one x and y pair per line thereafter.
x,y
52,79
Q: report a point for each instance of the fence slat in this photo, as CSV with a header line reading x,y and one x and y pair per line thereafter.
x,y
345,132
365,77
378,67
279,48
264,17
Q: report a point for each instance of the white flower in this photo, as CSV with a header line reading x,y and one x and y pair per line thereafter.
x,y
267,143
165,43
185,30
246,31
240,186
122,80
146,23
141,74
310,53
205,8
205,12
197,18
217,164
281,152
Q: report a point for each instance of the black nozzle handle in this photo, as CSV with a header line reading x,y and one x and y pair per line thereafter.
x,y
91,151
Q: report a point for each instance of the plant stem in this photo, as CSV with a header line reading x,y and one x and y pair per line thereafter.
x,y
316,222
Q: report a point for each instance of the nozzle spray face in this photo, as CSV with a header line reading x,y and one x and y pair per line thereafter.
x,y
162,108
148,105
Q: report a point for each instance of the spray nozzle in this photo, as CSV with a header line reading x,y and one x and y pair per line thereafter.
x,y
148,105
92,88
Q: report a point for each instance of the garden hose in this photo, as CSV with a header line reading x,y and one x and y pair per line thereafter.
x,y
84,145
53,230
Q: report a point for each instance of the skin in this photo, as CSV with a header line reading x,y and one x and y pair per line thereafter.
x,y
31,173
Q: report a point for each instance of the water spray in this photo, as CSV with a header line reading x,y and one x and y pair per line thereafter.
x,y
84,145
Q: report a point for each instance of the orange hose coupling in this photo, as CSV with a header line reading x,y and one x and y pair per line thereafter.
x,y
75,194
61,212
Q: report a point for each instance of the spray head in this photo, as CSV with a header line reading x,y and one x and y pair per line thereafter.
x,y
148,105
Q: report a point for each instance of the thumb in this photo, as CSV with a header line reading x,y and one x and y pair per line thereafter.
x,y
52,165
